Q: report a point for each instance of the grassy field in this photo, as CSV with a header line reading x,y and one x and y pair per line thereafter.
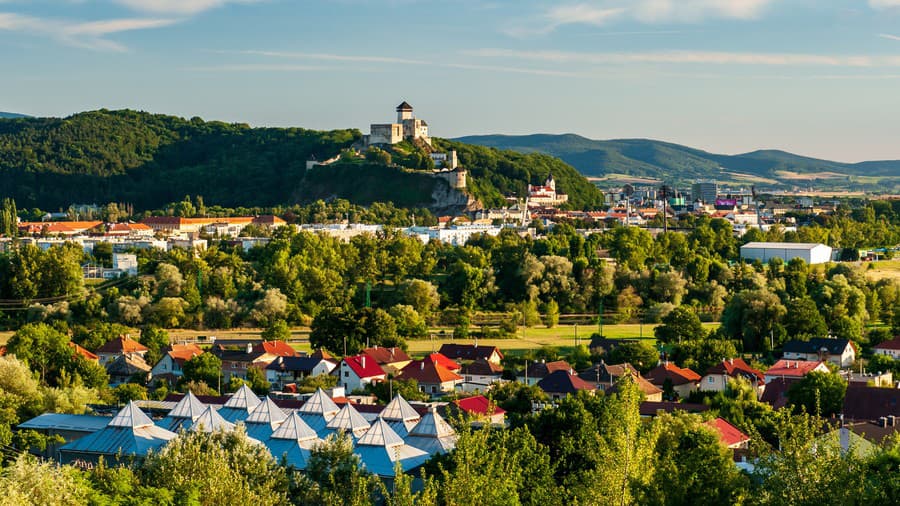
x,y
887,269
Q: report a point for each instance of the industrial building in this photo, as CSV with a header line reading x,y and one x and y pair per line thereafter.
x,y
764,251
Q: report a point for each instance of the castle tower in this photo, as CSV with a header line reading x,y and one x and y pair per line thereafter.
x,y
404,112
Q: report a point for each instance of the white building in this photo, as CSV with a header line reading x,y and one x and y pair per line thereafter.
x,y
455,235
406,127
764,251
546,195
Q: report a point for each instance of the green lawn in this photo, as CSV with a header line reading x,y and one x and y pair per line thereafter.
x,y
883,270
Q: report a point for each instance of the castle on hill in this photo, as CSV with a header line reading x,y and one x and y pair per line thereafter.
x,y
546,194
407,127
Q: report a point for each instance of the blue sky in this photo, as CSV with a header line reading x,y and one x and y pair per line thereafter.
x,y
817,77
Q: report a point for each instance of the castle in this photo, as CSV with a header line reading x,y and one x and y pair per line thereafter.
x,y
546,195
407,127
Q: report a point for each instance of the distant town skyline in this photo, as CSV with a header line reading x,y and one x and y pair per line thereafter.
x,y
815,77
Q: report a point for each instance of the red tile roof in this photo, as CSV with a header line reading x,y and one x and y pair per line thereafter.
x,y
121,345
728,434
427,371
441,359
736,367
893,344
183,352
383,355
279,348
78,350
479,405
668,370
363,366
792,368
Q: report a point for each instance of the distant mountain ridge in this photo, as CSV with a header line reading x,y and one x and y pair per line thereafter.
x,y
673,162
12,115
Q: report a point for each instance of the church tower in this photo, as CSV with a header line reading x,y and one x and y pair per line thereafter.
x,y
404,112
550,183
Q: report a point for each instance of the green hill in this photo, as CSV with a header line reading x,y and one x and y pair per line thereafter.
x,y
676,163
149,160
11,115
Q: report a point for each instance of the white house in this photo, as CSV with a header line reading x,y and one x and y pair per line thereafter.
x,y
890,348
286,370
764,251
840,352
358,371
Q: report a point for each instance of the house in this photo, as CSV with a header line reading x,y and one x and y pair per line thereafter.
x,y
775,394
793,369
391,359
840,352
440,358
471,352
171,364
285,370
236,360
606,375
870,403
480,375
124,367
875,379
651,392
481,408
729,435
120,346
890,348
129,434
683,381
355,372
717,377
538,370
432,376
561,383
78,351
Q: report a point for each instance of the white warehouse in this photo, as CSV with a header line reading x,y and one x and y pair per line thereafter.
x,y
787,251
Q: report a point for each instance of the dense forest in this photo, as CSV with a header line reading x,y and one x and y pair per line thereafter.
x,y
147,160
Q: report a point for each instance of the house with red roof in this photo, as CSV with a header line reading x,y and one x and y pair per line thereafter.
x,y
650,391
79,351
236,359
440,358
683,380
471,352
793,369
538,370
480,375
355,372
121,346
432,375
481,408
890,348
729,435
391,359
172,362
717,377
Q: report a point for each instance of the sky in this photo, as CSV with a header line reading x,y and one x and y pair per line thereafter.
x,y
815,77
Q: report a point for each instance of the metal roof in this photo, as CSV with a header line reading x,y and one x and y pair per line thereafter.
x,y
320,404
399,410
59,421
295,428
782,245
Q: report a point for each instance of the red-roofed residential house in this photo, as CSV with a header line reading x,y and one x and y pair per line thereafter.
x,y
83,353
683,380
121,346
174,358
717,377
358,371
890,348
433,377
391,359
439,358
481,408
729,435
793,369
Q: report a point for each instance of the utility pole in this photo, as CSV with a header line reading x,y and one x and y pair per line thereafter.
x,y
600,318
368,294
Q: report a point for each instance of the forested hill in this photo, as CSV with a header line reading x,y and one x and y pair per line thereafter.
x,y
662,160
11,115
149,160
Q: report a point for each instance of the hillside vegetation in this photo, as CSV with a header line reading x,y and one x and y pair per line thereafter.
x,y
676,163
149,160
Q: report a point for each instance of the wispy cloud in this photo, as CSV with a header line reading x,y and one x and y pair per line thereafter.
x,y
605,12
259,67
694,57
889,36
333,57
183,7
884,4
89,35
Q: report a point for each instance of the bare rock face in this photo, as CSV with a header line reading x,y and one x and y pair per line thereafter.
x,y
447,200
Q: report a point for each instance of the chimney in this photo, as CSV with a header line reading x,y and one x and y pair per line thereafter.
x,y
731,361
362,361
422,365
892,421
249,348
882,422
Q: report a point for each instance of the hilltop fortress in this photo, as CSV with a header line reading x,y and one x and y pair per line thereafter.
x,y
407,127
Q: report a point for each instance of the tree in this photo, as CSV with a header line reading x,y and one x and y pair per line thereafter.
x,y
818,393
551,314
754,316
206,368
336,475
217,468
128,392
409,323
681,323
272,306
256,379
169,280
640,354
805,319
168,312
28,481
156,340
45,349
701,354
384,391
278,330
422,296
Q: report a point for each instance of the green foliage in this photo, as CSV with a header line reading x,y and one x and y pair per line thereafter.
x,y
334,476
278,330
701,354
128,392
205,368
45,349
818,393
156,340
365,327
28,481
256,379
384,391
551,314
680,324
312,383
640,354
27,272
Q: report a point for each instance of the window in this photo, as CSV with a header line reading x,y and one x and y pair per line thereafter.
x,y
346,374
712,380
433,389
